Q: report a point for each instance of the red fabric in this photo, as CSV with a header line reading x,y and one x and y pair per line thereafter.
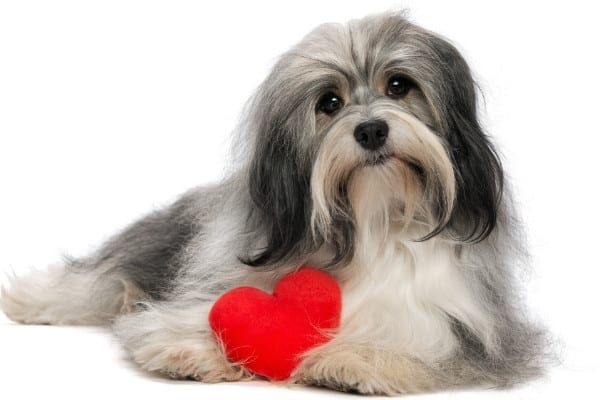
x,y
267,333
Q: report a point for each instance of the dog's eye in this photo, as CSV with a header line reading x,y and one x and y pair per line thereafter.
x,y
398,86
330,103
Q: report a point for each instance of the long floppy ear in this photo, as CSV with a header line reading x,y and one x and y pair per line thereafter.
x,y
479,175
284,142
279,188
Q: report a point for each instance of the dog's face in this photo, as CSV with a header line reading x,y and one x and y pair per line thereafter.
x,y
364,125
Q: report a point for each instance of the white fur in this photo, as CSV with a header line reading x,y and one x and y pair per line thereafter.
x,y
417,314
39,297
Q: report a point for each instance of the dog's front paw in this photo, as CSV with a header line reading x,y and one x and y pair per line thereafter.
x,y
359,369
177,350
194,363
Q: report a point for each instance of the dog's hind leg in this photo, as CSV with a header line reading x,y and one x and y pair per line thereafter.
x,y
63,295
137,264
60,296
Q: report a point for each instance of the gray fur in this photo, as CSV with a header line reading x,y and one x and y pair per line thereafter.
x,y
256,225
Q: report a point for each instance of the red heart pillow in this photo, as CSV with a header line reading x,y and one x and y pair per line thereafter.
x,y
267,334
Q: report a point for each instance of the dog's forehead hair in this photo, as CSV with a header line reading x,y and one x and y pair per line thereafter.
x,y
361,52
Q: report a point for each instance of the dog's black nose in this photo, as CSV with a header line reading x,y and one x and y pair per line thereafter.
x,y
371,134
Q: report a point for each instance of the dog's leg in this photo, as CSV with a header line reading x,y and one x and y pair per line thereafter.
x,y
62,296
137,264
176,340
363,368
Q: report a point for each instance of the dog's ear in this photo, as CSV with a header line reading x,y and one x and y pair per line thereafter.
x,y
279,187
478,170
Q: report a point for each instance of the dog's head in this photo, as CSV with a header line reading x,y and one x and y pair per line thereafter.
x,y
363,125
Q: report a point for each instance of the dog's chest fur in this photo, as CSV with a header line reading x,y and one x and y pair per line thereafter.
x,y
404,294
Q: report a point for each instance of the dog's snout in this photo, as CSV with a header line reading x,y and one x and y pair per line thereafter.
x,y
371,135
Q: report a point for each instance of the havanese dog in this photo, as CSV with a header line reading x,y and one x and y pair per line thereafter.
x,y
360,154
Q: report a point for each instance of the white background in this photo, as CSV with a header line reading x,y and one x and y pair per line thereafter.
x,y
111,108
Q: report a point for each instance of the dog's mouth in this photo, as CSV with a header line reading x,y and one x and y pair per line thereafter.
x,y
383,158
379,159
416,168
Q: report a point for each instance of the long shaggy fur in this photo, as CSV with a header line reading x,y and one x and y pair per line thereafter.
x,y
421,233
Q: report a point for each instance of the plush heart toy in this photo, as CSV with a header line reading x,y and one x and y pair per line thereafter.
x,y
267,334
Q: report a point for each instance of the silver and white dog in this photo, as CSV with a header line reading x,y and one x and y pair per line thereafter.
x,y
361,154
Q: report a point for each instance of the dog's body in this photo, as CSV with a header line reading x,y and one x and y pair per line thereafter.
x,y
360,154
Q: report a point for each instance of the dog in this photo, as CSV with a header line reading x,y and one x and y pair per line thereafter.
x,y
360,154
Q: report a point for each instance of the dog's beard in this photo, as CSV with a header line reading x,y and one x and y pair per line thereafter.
x,y
409,182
